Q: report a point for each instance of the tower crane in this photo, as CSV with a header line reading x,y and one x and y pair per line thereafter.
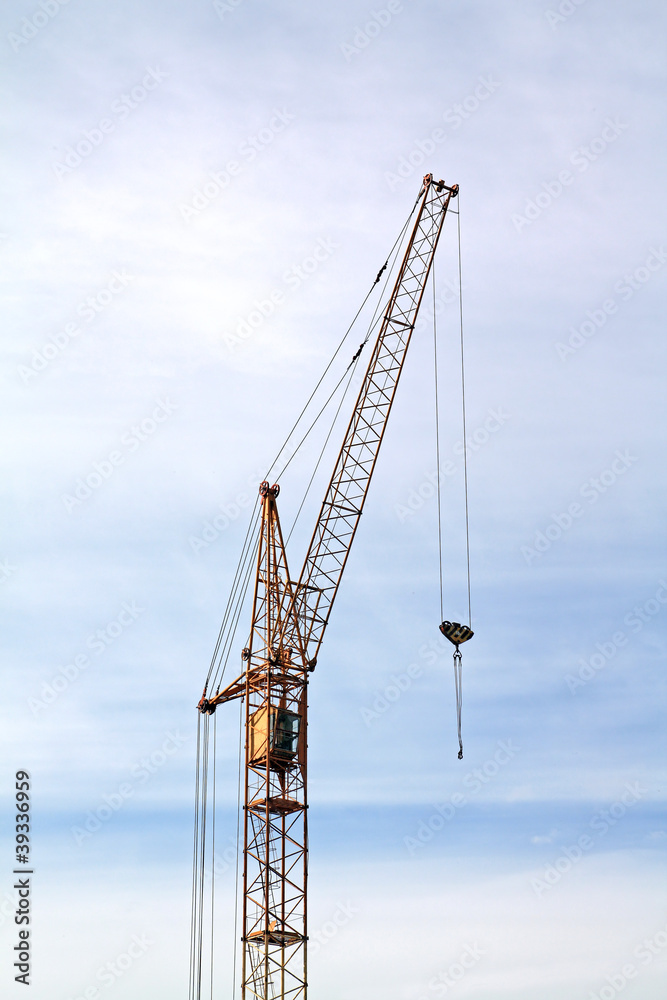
x,y
289,619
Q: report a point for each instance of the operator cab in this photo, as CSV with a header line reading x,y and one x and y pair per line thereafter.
x,y
278,730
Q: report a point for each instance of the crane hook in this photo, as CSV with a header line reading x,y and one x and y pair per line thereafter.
x,y
457,633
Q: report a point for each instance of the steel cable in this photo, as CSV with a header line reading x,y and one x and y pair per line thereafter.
x,y
199,858
241,579
458,678
437,447
345,336
463,408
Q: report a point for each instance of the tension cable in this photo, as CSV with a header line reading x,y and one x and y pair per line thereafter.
x,y
199,860
454,631
437,447
393,250
463,414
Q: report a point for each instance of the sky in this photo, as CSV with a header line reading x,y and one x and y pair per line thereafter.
x,y
172,175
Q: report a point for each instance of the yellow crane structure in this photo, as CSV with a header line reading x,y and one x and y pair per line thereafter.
x,y
289,619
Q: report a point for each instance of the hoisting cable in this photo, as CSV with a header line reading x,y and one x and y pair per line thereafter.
x,y
198,859
437,446
238,596
238,838
454,631
246,549
215,739
202,856
463,409
192,991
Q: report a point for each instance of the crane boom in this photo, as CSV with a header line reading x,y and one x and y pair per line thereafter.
x,y
346,493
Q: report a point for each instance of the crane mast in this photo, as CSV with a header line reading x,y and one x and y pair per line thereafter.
x,y
288,624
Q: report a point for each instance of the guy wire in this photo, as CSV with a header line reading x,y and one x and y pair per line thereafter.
x,y
195,854
345,336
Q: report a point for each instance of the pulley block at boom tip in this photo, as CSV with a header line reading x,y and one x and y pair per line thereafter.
x,y
441,186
